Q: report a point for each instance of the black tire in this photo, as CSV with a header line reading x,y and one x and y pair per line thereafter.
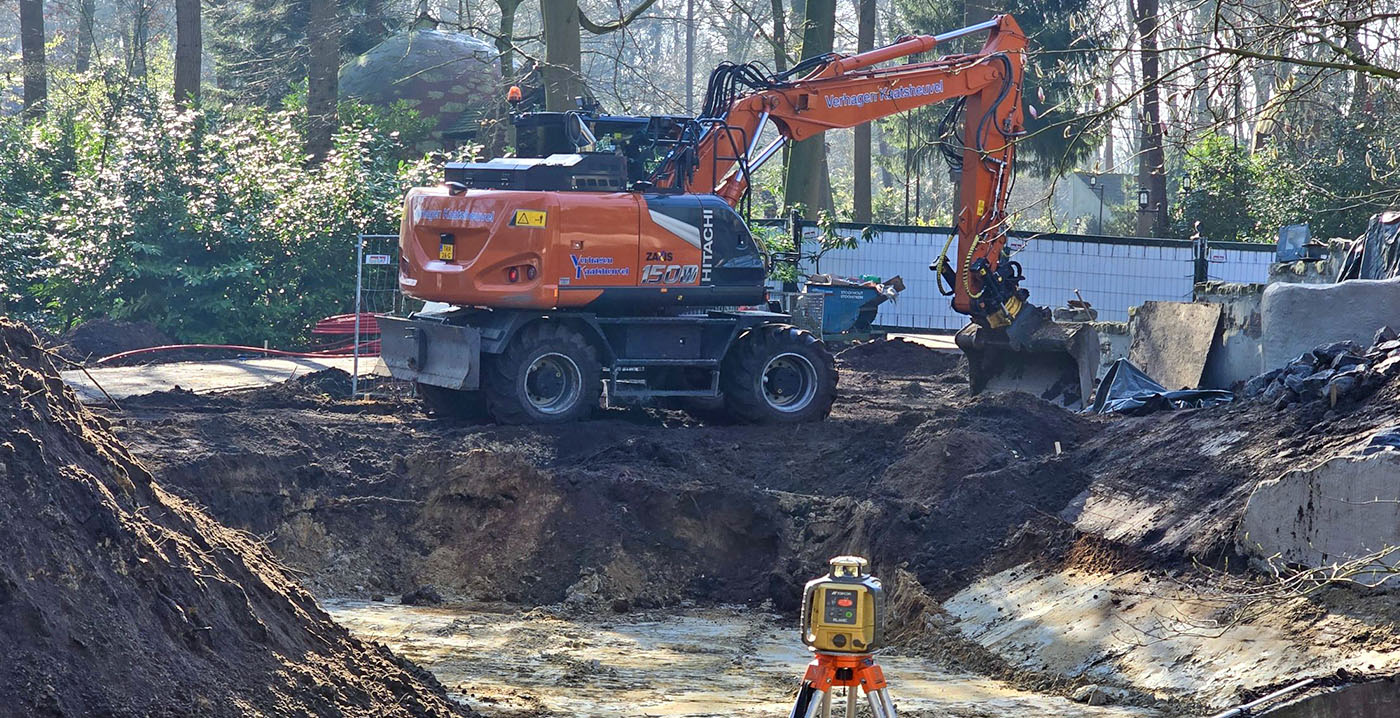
x,y
778,374
549,374
452,403
706,410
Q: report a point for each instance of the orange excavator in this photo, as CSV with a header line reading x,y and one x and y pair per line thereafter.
x,y
612,254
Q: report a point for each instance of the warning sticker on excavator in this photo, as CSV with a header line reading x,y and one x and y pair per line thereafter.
x,y
528,218
981,207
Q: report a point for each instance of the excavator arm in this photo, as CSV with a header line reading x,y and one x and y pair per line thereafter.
x,y
1010,344
845,91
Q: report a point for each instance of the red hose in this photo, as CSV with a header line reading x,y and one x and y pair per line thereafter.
x,y
236,347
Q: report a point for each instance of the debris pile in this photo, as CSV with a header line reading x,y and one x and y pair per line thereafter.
x,y
899,356
104,337
1332,372
119,599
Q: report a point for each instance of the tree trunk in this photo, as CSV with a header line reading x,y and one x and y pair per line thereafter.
x,y
87,10
865,40
804,181
1360,91
886,177
690,57
31,32
1152,222
140,39
1109,164
505,40
779,36
189,51
563,63
322,78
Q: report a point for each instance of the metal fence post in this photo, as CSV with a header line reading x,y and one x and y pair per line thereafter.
x,y
359,285
1201,270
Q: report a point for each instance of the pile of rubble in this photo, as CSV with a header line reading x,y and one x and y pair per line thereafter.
x,y
1330,372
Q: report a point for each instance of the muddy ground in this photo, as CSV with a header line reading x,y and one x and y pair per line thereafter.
x,y
641,505
642,508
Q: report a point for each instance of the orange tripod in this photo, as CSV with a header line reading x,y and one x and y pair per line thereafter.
x,y
829,670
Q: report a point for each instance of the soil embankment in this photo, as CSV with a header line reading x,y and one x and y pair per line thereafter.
x,y
120,599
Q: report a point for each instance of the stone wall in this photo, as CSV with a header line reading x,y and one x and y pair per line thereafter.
x,y
1294,318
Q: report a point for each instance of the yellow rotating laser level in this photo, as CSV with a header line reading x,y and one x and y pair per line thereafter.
x,y
844,611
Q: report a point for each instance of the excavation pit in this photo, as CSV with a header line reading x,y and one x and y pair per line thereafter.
x,y
649,520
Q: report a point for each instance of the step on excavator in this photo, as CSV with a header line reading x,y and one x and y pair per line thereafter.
x,y
611,256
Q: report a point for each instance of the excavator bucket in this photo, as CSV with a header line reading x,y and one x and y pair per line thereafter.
x,y
1057,362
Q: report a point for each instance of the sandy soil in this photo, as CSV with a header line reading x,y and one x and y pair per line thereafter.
x,y
718,661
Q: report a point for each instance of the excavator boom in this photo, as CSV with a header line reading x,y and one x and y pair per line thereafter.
x,y
1007,337
839,92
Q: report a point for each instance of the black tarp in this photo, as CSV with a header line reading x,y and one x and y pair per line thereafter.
x,y
1125,389
1376,254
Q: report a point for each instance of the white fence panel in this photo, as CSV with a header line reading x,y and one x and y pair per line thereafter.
x,y
1111,273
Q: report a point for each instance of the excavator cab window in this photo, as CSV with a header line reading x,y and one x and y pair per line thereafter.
x,y
643,141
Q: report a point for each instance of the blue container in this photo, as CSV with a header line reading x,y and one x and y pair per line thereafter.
x,y
847,309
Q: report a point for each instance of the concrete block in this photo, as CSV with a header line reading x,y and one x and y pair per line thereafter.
x,y
1345,508
1113,343
1374,699
1237,354
1297,317
1322,271
1171,341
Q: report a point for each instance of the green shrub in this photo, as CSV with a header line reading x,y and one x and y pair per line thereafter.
x,y
211,224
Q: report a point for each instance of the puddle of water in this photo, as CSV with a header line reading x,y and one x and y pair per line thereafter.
x,y
692,663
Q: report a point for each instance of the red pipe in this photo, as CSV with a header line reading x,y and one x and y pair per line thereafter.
x,y
236,347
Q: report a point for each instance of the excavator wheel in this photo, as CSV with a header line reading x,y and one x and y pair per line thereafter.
x,y
452,403
549,374
778,374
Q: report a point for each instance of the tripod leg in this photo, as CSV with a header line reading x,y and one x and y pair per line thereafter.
x,y
850,702
826,704
808,702
881,703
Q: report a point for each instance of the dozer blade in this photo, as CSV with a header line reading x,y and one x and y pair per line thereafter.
x,y
1056,362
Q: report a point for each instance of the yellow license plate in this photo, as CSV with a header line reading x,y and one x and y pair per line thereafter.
x,y
445,252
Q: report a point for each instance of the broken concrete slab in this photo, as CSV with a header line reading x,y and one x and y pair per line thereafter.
x,y
1297,317
1144,631
1343,510
1171,341
1373,699
1236,355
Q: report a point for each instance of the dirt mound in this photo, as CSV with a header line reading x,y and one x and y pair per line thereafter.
x,y
98,338
991,432
118,599
898,356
